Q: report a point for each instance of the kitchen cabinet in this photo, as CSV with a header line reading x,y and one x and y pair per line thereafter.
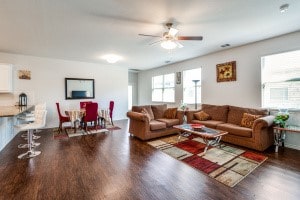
x,y
6,78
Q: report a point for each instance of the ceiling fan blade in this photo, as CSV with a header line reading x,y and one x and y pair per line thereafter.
x,y
173,31
149,35
190,38
156,42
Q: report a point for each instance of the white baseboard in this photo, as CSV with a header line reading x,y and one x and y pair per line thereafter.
x,y
292,146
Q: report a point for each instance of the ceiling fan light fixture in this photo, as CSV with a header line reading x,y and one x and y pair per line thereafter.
x,y
173,31
179,45
168,44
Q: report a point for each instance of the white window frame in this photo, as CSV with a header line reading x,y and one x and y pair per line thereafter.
x,y
280,79
188,92
163,88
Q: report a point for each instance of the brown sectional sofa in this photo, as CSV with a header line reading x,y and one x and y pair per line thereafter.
x,y
158,125
228,118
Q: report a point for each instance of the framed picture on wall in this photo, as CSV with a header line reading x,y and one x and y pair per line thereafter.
x,y
24,74
226,71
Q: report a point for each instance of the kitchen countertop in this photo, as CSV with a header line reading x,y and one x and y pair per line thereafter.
x,y
10,111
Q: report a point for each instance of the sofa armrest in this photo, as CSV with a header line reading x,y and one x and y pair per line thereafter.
x,y
139,125
190,115
262,132
264,122
137,116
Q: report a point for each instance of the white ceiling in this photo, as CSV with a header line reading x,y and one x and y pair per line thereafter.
x,y
85,30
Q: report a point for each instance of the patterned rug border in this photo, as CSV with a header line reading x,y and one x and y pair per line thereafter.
x,y
81,132
67,132
226,146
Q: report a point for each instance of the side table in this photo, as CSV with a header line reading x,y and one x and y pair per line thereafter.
x,y
279,134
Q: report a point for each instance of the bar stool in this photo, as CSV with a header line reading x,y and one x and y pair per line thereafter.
x,y
29,118
40,122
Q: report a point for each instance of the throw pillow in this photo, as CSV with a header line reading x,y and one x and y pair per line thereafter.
x,y
202,116
170,113
158,110
144,111
248,120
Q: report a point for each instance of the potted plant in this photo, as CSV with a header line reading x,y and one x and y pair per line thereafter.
x,y
281,118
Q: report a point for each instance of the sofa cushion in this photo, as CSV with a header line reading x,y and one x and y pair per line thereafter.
x,y
170,113
156,125
248,120
208,123
234,129
235,114
146,107
218,113
169,122
202,116
158,110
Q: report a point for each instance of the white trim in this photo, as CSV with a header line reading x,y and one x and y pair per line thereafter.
x,y
292,146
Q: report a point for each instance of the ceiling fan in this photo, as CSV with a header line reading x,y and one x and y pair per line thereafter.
x,y
169,39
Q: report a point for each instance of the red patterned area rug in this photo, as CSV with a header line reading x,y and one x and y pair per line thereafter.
x,y
226,164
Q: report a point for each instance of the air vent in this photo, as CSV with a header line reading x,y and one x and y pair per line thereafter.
x,y
225,45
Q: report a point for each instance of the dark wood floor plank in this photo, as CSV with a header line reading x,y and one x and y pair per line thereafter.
x,y
117,166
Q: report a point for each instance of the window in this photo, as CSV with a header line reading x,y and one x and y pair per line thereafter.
x,y
281,80
163,88
189,86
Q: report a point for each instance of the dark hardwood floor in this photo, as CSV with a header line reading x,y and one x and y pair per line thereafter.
x,y
117,166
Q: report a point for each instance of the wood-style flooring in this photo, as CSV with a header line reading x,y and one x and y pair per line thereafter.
x,y
118,166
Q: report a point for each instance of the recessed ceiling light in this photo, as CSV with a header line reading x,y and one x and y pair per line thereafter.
x,y
225,45
284,7
111,58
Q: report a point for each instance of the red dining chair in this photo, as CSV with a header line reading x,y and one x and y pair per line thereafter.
x,y
62,118
91,115
111,108
84,103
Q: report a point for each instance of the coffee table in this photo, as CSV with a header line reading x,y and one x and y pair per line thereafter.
x,y
210,136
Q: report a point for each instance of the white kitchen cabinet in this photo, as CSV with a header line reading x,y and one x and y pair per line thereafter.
x,y
6,78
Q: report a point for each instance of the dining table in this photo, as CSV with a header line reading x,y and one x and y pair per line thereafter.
x,y
76,116
104,117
